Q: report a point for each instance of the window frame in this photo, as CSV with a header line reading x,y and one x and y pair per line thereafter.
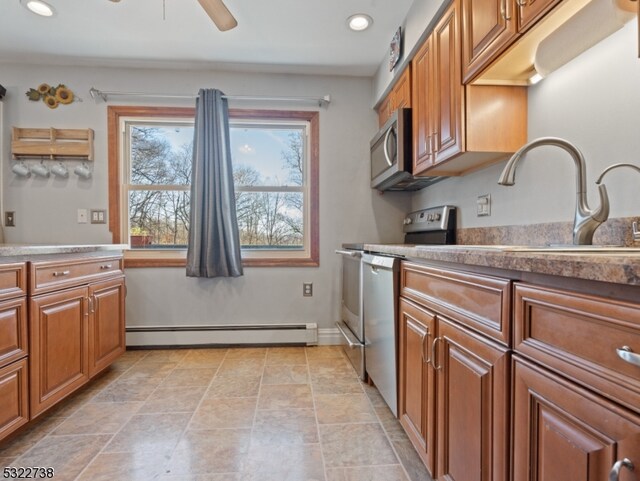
x,y
177,258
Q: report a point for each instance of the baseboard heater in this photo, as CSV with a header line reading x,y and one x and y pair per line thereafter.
x,y
225,334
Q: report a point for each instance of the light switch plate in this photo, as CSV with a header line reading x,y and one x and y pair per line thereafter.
x,y
483,205
98,216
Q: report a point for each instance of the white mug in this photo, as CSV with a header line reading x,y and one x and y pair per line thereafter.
x,y
40,170
60,170
21,169
83,171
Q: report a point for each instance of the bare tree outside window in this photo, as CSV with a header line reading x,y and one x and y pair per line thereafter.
x,y
269,175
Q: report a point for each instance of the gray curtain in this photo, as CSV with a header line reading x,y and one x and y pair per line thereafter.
x,y
214,240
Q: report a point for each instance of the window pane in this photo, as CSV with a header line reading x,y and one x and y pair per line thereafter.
x,y
267,156
161,155
159,218
270,220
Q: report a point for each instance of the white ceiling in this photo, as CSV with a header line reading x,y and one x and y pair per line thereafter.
x,y
272,35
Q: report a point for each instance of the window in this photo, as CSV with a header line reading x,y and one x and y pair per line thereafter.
x,y
275,167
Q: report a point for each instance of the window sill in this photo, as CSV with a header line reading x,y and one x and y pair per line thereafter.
x,y
265,262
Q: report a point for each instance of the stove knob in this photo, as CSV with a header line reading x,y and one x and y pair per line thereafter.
x,y
407,221
437,216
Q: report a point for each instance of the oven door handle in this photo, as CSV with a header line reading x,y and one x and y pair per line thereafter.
x,y
349,337
349,253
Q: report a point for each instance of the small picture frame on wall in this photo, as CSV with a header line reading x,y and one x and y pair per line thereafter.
x,y
395,49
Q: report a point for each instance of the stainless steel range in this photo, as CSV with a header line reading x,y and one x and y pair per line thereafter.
x,y
370,283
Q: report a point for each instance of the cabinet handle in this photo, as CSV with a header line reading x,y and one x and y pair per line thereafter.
x,y
503,10
626,354
61,273
90,301
94,301
614,474
435,142
105,266
426,336
433,354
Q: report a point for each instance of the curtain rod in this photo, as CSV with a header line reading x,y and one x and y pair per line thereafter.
x,y
104,95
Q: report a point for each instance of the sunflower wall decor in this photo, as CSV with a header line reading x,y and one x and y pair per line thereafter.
x,y
52,96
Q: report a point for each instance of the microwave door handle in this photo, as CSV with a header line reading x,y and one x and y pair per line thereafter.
x,y
386,147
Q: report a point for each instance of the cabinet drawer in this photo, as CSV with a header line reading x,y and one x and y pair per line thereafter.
x,y
578,336
479,302
13,280
14,405
13,330
53,275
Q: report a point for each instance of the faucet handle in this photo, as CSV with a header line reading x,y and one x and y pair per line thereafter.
x,y
635,231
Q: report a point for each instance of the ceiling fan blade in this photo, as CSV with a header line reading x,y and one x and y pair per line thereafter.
x,y
219,13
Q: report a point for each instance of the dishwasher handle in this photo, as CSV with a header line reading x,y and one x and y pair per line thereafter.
x,y
349,253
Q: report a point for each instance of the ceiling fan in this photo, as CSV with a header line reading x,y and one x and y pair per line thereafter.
x,y
219,13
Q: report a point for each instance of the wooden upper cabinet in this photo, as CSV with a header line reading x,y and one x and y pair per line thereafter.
x,y
398,97
530,11
416,379
561,431
447,87
459,128
402,90
488,27
422,73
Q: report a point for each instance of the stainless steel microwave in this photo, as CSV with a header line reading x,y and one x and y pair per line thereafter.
x,y
392,158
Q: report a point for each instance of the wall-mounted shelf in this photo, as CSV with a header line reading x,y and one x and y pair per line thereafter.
x,y
52,143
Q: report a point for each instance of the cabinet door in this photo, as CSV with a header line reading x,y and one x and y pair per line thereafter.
x,y
472,405
402,90
488,26
58,355
13,330
14,401
107,323
447,87
416,379
565,432
530,11
384,110
421,100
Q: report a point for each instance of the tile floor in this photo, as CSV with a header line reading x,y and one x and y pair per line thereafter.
x,y
239,414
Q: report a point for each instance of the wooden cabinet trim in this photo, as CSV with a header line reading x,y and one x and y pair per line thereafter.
x,y
14,341
480,302
576,335
48,276
13,280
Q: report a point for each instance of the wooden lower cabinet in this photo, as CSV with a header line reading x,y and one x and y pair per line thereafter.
x,y
472,405
564,432
59,335
13,330
107,323
416,400
14,401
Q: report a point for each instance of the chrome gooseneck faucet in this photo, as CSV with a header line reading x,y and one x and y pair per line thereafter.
x,y
586,221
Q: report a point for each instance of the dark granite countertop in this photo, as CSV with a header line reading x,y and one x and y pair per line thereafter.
x,y
615,266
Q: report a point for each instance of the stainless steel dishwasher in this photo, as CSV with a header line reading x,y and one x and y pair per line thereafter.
x,y
380,294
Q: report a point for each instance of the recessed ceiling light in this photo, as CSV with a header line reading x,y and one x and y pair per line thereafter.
x,y
359,22
39,7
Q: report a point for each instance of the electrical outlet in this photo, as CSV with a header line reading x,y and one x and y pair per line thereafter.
x,y
307,289
9,218
98,216
483,205
82,216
